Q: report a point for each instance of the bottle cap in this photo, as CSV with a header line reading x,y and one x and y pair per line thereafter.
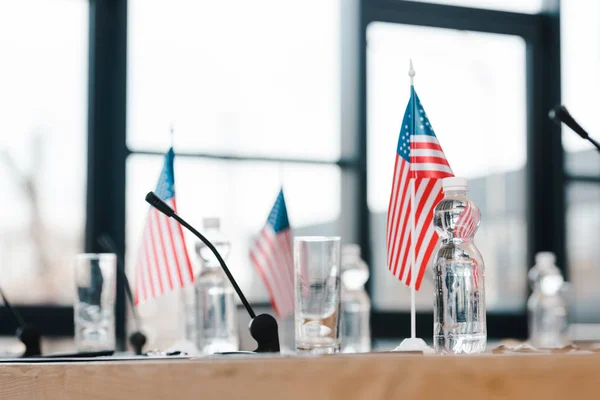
x,y
211,223
454,183
545,257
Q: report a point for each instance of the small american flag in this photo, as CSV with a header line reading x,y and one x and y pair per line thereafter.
x,y
163,262
416,190
272,257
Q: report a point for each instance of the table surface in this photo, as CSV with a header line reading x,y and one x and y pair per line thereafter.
x,y
364,376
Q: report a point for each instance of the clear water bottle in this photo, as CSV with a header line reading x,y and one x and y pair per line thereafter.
x,y
216,322
458,272
547,306
356,306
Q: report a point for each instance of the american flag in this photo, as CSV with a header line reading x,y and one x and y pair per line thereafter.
x,y
416,190
163,263
272,257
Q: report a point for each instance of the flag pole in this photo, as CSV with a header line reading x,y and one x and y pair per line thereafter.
x,y
413,343
281,175
413,317
172,133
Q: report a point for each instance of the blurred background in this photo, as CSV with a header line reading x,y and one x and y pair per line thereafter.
x,y
308,94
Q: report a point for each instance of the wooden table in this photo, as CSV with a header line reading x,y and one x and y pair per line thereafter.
x,y
371,376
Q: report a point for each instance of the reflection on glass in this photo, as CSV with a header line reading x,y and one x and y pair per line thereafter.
x,y
250,81
476,104
43,127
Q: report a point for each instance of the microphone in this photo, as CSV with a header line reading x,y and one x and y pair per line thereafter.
x,y
263,327
137,339
27,334
560,114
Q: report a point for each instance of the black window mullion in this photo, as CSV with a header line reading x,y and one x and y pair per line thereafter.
x,y
107,151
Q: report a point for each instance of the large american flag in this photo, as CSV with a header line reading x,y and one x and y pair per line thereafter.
x,y
163,263
272,257
417,183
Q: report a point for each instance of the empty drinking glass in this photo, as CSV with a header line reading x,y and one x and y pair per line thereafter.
x,y
318,292
94,301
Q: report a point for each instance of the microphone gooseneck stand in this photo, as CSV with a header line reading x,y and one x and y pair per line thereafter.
x,y
263,327
560,114
27,334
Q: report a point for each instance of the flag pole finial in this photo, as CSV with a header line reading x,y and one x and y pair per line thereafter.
x,y
172,132
411,72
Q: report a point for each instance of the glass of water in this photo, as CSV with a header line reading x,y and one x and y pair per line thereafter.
x,y
318,292
95,282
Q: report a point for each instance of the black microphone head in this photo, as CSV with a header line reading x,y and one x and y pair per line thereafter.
x,y
560,114
160,205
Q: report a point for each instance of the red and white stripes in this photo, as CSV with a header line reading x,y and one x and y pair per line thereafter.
x,y
163,263
273,259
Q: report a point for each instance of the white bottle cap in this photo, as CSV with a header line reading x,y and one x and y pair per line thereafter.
x,y
211,223
545,258
454,183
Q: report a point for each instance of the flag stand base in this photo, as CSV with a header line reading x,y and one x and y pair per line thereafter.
x,y
414,344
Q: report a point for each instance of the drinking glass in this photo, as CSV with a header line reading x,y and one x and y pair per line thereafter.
x,y
94,301
318,292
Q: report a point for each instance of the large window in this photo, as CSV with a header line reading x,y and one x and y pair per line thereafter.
x,y
476,104
580,37
43,98
307,95
255,85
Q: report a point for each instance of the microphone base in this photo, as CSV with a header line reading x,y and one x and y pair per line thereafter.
x,y
31,338
137,340
263,329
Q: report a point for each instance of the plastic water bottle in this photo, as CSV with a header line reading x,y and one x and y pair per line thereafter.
x,y
356,306
547,306
458,272
216,322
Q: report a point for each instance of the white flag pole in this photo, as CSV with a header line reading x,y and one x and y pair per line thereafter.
x,y
172,133
413,343
413,317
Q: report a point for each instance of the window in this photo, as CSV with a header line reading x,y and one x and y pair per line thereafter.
x,y
253,96
476,103
580,39
242,193
580,48
254,82
583,223
42,146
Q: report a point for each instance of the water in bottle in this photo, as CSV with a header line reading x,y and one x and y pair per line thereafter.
x,y
458,272
547,306
356,306
216,322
